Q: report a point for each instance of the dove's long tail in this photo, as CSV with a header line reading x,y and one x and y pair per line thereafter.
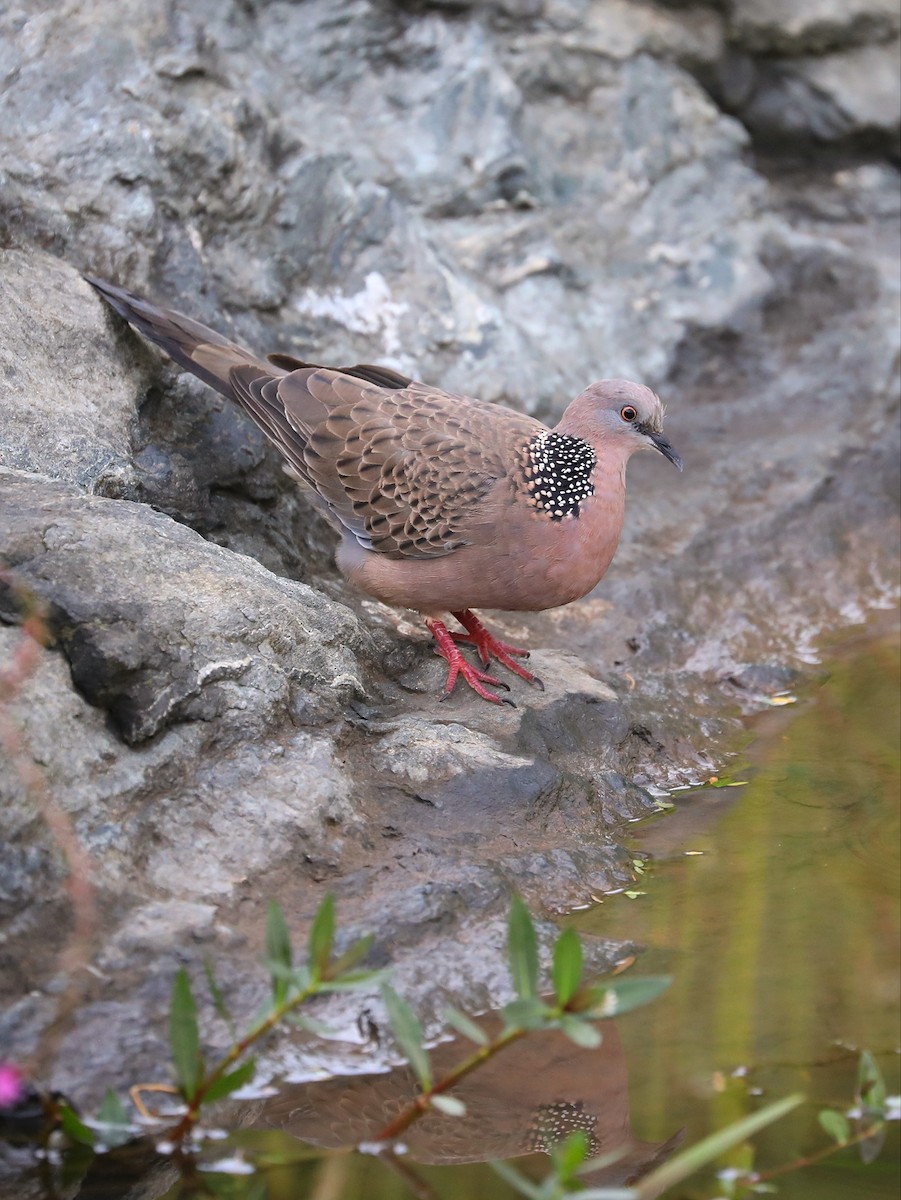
x,y
196,347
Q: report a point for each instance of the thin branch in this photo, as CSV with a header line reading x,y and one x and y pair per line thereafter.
x,y
809,1160
423,1102
421,1189
76,955
184,1126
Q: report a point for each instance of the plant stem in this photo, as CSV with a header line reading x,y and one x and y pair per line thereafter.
x,y
192,1115
76,954
419,1187
423,1102
809,1160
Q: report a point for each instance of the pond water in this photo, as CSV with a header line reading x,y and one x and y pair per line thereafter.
x,y
775,908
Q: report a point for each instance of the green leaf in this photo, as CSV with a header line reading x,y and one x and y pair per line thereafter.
x,y
567,966
408,1032
112,1110
184,1040
311,1024
517,1181
351,956
322,936
218,999
835,1124
580,1031
353,980
466,1026
74,1127
870,1147
569,1154
527,1014
223,1185
294,977
116,1128
278,951
522,947
681,1165
229,1083
871,1097
449,1104
620,995
870,1083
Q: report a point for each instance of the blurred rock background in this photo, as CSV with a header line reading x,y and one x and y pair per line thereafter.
x,y
510,198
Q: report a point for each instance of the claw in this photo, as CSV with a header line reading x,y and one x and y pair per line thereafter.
x,y
488,646
457,665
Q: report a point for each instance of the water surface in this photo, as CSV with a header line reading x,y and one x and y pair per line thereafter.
x,y
774,906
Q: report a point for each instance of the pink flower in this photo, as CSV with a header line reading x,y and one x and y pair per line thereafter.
x,y
11,1084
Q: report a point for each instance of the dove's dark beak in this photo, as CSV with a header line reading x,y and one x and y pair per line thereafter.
x,y
660,443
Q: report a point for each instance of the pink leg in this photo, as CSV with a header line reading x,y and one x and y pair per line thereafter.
x,y
447,648
490,647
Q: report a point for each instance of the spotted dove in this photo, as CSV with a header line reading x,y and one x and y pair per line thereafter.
x,y
444,504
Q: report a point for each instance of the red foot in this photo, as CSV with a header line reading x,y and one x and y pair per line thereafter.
x,y
490,647
447,648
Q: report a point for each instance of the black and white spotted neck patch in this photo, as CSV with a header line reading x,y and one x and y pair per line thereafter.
x,y
558,473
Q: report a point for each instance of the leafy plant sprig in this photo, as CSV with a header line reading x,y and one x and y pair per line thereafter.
x,y
199,1083
863,1125
570,1162
573,1009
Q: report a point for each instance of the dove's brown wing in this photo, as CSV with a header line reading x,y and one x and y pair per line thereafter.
x,y
402,468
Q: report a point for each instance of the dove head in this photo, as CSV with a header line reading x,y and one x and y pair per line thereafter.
x,y
620,416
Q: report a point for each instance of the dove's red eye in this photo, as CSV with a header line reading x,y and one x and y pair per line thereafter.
x,y
628,413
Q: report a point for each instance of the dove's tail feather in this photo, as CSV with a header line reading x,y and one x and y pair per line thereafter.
x,y
194,346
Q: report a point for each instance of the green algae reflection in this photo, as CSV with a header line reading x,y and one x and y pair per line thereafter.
x,y
776,909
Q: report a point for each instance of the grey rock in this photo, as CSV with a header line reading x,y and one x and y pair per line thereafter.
x,y
811,26
388,249
243,813
764,678
814,71
511,199
210,644
154,927
622,29
464,771
849,96
68,400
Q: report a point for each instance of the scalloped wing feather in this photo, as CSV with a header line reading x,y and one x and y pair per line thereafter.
x,y
404,469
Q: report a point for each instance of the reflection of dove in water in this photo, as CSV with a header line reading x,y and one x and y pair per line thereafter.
x,y
527,1098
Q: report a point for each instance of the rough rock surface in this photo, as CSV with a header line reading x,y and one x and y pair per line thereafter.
x,y
812,26
820,71
512,199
